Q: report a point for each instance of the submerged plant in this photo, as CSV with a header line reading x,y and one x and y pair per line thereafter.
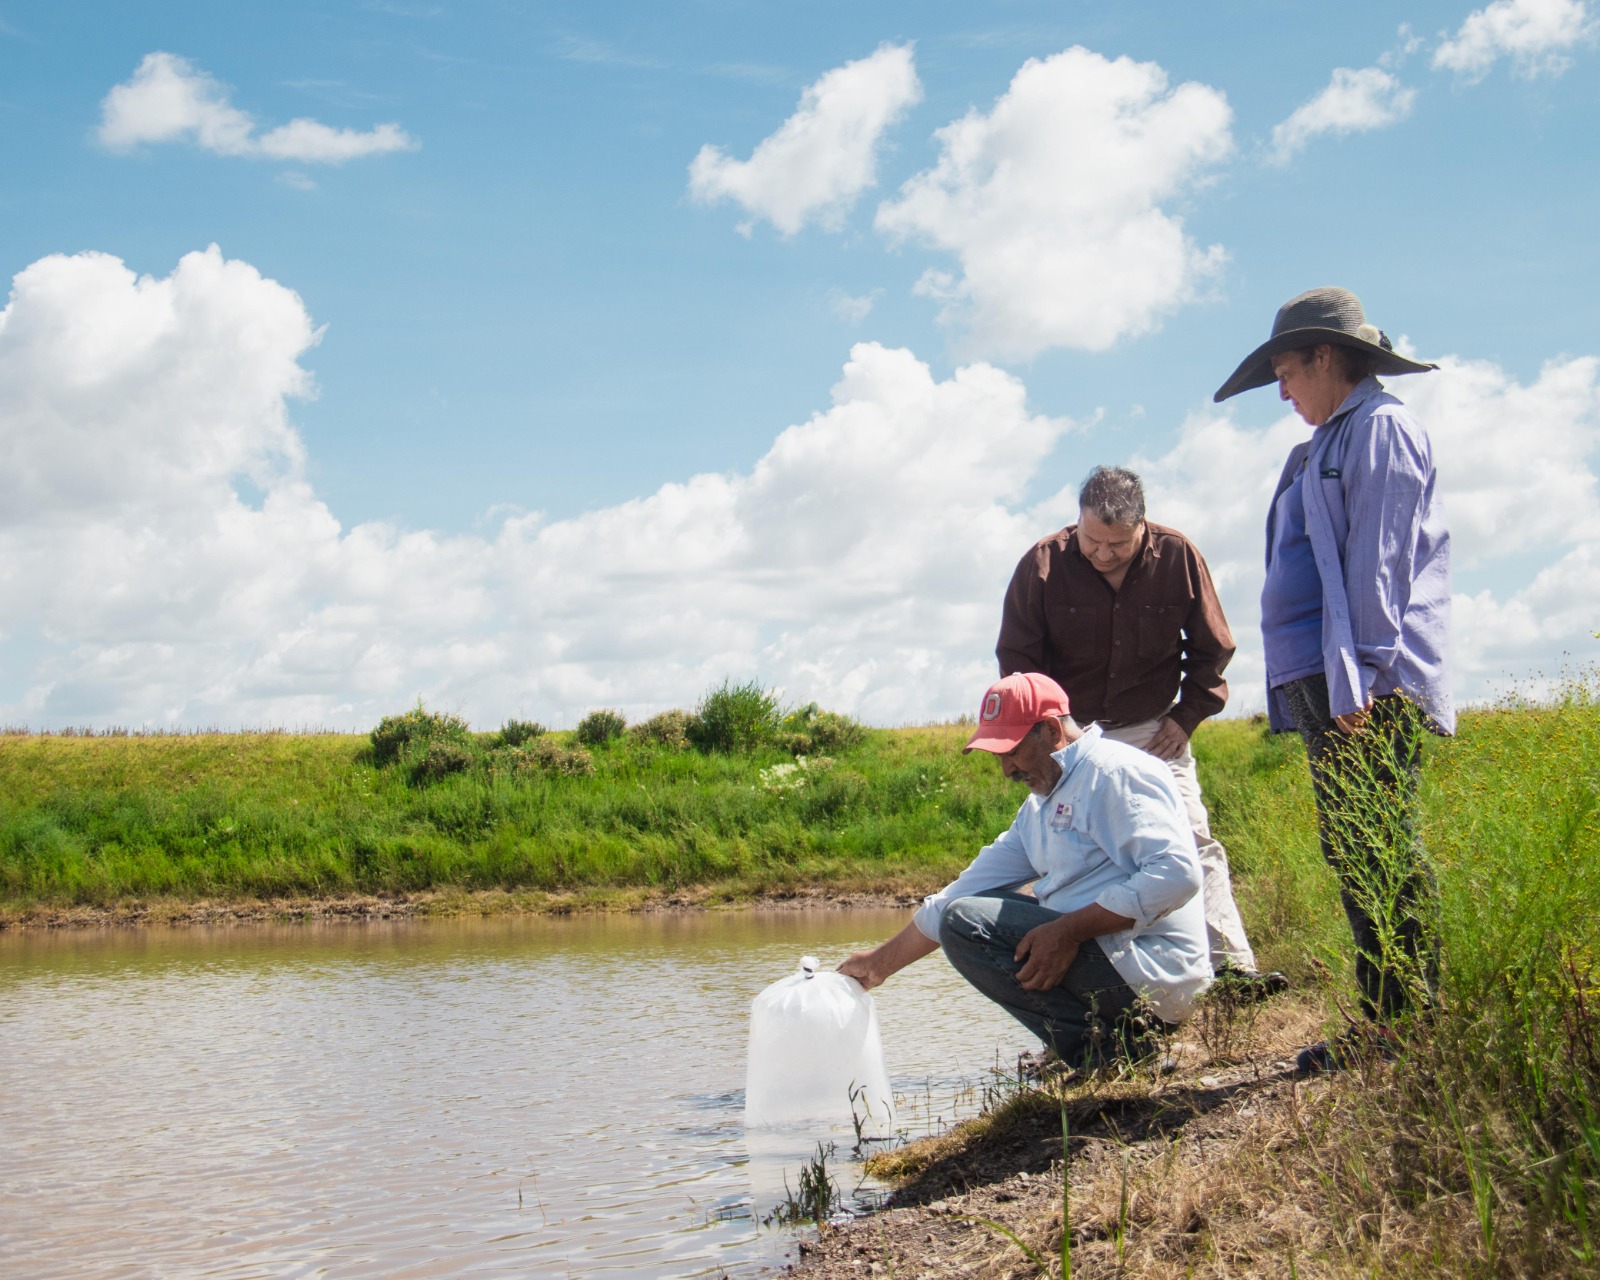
x,y
818,1195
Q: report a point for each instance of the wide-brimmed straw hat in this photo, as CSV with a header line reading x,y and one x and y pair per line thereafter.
x,y
1317,315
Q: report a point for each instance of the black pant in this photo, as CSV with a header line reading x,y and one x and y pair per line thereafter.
x,y
1365,786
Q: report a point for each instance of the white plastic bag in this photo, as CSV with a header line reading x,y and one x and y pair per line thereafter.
x,y
815,1055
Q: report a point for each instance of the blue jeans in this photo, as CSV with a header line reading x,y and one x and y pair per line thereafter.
x,y
1092,1016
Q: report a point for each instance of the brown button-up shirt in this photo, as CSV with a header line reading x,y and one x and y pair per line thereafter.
x,y
1125,655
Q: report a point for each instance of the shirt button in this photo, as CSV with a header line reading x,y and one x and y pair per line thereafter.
x,y
1116,642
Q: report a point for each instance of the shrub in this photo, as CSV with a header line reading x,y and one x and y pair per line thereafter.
x,y
600,727
541,755
439,759
513,733
809,729
408,734
735,717
668,729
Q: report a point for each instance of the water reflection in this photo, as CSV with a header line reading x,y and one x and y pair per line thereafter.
x,y
490,1097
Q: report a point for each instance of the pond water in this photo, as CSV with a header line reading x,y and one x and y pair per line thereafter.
x,y
506,1097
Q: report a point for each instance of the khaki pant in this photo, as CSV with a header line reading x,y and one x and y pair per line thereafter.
x,y
1224,928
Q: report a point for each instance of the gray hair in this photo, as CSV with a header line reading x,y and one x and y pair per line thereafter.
x,y
1112,495
1065,721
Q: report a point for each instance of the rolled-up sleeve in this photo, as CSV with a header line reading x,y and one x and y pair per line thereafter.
x,y
1001,865
1144,830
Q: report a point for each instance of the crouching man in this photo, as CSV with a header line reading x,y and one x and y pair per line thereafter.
x,y
1105,841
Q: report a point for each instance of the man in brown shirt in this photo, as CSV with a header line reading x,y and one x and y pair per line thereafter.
x,y
1123,615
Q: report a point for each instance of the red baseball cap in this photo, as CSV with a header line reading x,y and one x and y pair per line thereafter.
x,y
1013,705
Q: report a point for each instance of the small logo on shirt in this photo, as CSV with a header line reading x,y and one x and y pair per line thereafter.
x,y
1330,473
1061,819
991,707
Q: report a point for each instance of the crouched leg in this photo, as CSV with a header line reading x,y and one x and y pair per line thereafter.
x,y
1091,1017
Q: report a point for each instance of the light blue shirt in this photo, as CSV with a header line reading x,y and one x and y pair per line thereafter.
x,y
1383,555
1114,832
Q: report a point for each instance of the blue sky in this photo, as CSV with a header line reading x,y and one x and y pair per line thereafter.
x,y
519,318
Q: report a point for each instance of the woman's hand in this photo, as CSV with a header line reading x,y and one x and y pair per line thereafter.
x,y
1355,721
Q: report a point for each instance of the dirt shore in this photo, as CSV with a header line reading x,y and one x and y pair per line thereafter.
x,y
247,911
1168,1176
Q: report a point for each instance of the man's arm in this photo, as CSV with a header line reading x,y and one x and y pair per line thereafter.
x,y
1021,646
1002,864
872,966
1050,949
1136,816
1207,650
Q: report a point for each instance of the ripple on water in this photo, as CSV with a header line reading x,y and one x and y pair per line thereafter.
x,y
424,1098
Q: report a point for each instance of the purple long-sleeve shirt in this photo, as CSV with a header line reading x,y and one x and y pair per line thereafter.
x,y
1382,553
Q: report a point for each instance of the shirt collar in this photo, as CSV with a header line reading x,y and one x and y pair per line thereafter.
x,y
1146,552
1359,395
1072,755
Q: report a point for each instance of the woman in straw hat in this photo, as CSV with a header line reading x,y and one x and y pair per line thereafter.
x,y
1354,622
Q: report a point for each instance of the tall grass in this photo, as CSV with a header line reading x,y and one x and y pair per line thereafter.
x,y
1515,842
95,820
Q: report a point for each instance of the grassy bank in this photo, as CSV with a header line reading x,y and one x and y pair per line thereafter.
x,y
96,820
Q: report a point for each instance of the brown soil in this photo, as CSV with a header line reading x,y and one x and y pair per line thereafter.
x,y
1232,1166
244,911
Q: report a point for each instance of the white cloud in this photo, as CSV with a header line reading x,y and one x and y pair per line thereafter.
x,y
859,562
853,308
1517,461
824,155
1353,102
169,100
1536,34
1053,202
164,559
1408,42
1517,468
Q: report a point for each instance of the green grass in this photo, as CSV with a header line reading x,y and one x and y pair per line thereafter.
x,y
95,820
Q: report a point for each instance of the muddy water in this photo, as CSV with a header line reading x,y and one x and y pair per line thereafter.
x,y
511,1097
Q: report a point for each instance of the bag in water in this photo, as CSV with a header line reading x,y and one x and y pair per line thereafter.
x,y
815,1055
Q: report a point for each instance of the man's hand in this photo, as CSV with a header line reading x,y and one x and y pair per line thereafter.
x,y
863,969
1049,951
1355,721
872,966
1169,740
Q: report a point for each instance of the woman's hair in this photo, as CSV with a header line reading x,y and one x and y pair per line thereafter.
x,y
1351,363
1113,495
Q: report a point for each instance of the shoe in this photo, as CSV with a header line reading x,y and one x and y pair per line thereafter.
x,y
1357,1045
1042,1066
1248,987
